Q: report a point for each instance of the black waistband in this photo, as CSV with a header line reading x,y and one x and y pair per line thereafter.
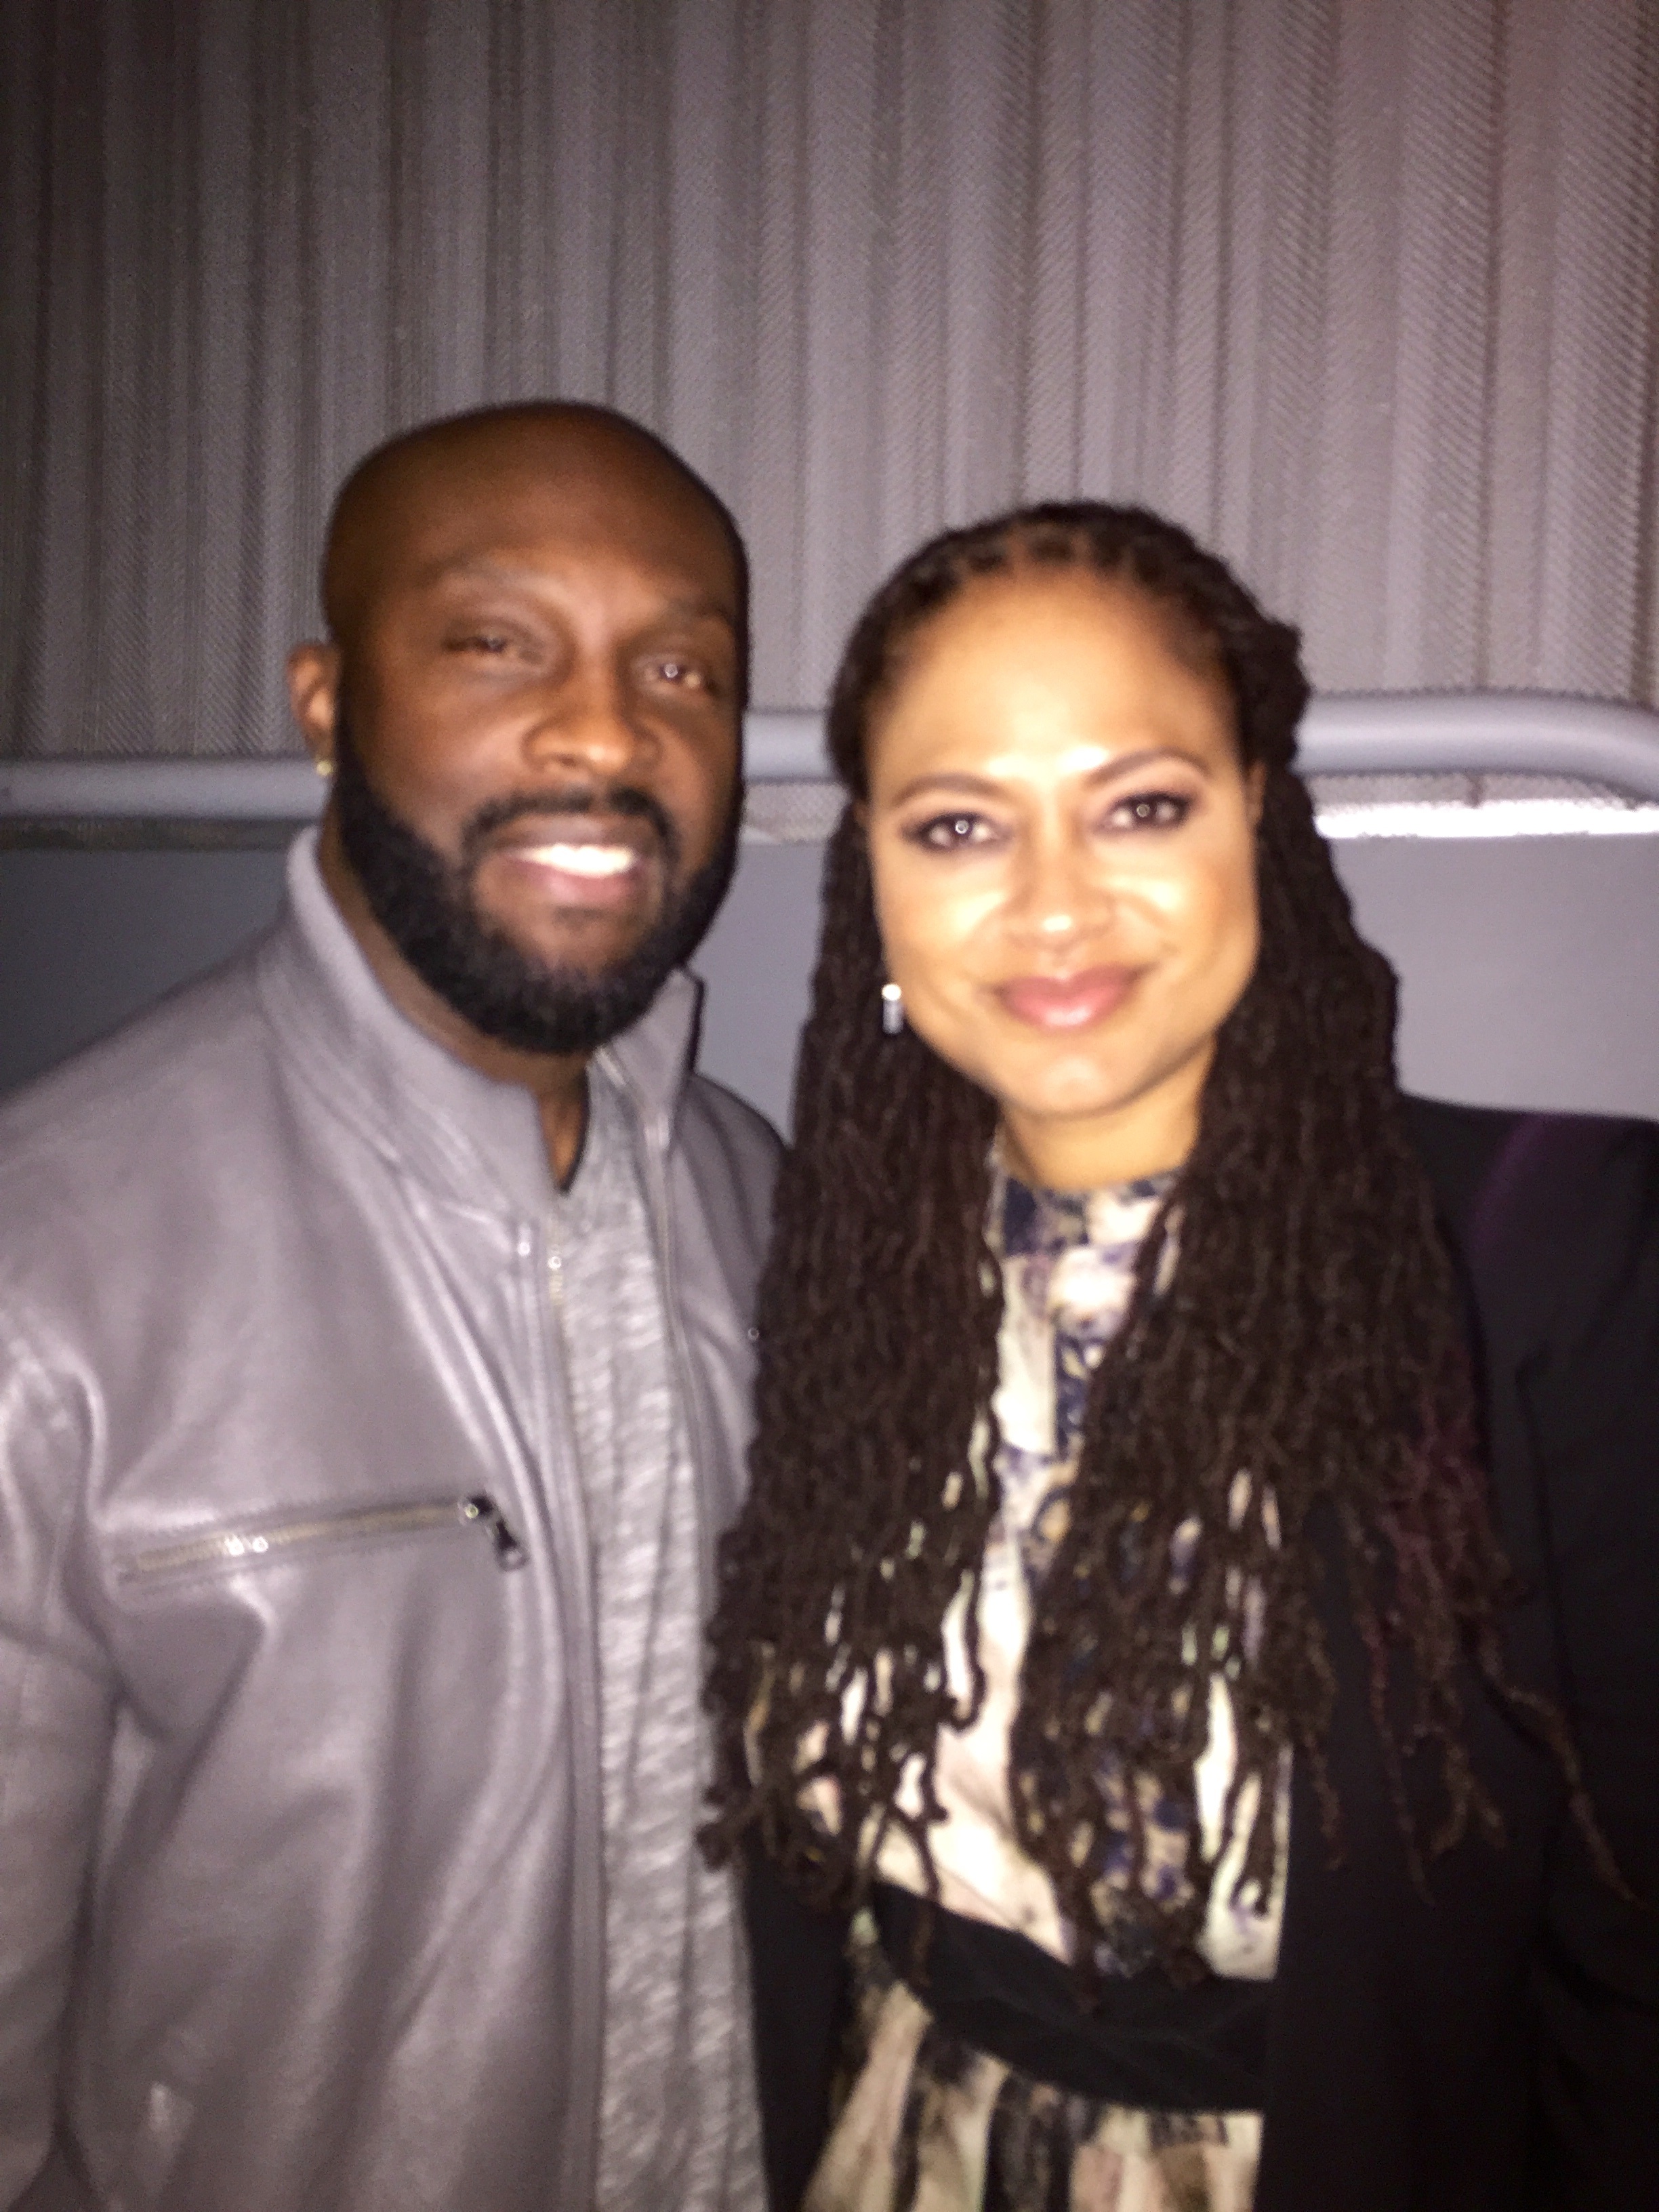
x,y
1149,2043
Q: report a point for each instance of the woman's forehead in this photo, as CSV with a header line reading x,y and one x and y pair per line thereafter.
x,y
1032,657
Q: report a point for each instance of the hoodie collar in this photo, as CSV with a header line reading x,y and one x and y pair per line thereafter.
x,y
471,1137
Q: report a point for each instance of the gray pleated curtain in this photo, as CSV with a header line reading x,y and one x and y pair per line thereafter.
x,y
1363,290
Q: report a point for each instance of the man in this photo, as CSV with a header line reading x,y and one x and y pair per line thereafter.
x,y
374,1354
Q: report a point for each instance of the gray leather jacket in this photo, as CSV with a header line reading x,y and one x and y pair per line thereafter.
x,y
300,1818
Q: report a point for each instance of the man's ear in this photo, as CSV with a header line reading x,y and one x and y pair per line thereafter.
x,y
313,696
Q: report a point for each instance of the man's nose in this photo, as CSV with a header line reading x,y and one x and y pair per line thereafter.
x,y
590,728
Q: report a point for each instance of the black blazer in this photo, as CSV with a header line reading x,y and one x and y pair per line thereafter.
x,y
1493,2047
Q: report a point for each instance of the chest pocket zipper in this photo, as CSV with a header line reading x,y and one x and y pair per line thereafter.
x,y
235,1546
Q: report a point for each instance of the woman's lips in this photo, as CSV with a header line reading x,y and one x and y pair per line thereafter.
x,y
1068,1002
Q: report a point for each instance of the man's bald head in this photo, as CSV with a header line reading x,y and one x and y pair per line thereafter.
x,y
605,471
532,704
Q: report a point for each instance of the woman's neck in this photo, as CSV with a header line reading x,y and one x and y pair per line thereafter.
x,y
1145,1136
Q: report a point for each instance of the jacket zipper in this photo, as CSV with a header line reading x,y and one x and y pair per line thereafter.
x,y
230,1545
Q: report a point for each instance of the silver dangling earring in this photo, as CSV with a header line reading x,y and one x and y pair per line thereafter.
x,y
892,1009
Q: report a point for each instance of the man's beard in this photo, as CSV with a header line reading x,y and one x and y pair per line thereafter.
x,y
425,904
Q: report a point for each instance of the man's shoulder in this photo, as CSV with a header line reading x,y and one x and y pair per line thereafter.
x,y
732,1153
155,1088
751,1138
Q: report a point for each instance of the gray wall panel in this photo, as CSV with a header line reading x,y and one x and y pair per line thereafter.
x,y
758,963
87,937
1529,966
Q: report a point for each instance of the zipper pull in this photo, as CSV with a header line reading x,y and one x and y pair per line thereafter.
x,y
483,1510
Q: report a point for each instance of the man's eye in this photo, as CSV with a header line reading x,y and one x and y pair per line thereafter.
x,y
683,675
1150,810
492,641
951,833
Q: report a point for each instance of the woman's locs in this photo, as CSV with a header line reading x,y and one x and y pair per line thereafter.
x,y
1117,1452
1077,849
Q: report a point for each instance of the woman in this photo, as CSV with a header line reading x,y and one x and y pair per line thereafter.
x,y
1195,1604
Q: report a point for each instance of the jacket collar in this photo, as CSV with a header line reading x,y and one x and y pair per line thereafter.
x,y
471,1137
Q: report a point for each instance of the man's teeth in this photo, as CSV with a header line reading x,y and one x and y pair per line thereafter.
x,y
585,859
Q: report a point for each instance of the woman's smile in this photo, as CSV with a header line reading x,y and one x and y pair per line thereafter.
x,y
1068,1002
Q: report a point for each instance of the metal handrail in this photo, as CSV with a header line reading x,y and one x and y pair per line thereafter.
x,y
166,788
1483,733
1353,733
1377,733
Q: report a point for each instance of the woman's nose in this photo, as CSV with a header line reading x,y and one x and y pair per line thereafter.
x,y
1059,898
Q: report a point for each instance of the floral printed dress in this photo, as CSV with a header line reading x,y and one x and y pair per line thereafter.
x,y
928,2124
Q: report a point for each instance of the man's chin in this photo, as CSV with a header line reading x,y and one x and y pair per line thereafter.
x,y
560,983
583,949
565,992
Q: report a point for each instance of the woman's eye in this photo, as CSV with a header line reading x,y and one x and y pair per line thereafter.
x,y
491,641
951,833
1150,810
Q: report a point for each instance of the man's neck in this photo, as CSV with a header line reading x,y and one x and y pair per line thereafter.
x,y
557,1081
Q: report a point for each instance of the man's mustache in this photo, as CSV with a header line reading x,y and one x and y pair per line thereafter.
x,y
614,800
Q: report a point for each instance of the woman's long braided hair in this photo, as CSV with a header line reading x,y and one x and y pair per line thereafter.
x,y
1309,1332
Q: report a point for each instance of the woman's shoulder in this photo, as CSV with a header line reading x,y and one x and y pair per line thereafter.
x,y
1551,1214
1469,1150
1555,1221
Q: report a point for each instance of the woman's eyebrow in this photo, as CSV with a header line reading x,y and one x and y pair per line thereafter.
x,y
960,782
1149,756
948,780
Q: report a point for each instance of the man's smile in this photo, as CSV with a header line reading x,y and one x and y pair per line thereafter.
x,y
577,861
583,859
